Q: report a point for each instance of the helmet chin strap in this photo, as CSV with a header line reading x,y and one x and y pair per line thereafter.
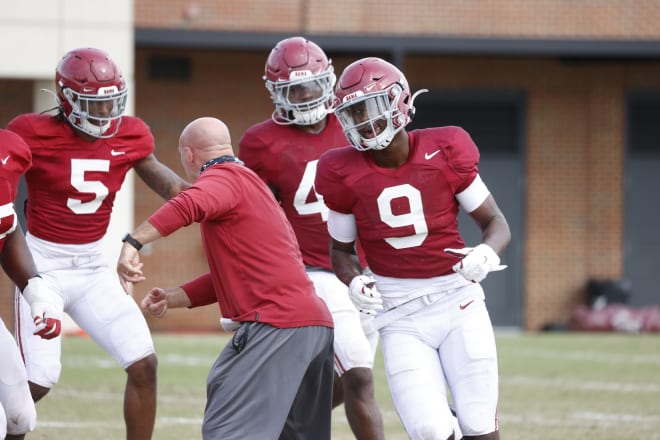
x,y
93,129
309,117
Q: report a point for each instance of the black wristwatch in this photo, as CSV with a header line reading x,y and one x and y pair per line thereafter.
x,y
128,238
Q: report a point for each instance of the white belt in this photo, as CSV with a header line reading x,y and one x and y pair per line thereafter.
x,y
395,313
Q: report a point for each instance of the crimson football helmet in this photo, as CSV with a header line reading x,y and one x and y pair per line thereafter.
x,y
373,103
300,79
91,91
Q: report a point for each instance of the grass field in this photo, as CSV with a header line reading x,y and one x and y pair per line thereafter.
x,y
552,386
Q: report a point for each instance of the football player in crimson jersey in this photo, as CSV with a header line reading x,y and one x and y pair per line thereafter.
x,y
274,379
284,151
80,158
17,412
399,192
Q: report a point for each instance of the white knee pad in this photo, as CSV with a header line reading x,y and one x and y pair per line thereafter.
x,y
21,414
3,422
423,431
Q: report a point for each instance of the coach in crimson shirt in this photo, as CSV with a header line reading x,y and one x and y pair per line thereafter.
x,y
274,379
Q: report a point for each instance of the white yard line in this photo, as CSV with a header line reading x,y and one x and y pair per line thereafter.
x,y
77,362
119,396
614,420
587,355
621,387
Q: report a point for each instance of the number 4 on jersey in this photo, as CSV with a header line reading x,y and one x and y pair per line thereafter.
x,y
305,188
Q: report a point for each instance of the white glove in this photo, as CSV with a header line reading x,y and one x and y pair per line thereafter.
x,y
46,307
364,295
229,325
476,262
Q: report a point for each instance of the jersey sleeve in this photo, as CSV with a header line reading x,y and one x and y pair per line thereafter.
x,y
18,125
329,182
463,159
15,156
136,139
176,213
208,198
200,291
8,220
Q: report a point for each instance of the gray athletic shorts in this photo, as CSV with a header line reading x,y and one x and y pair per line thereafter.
x,y
271,383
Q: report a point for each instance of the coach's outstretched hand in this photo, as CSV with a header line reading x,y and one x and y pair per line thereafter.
x,y
129,267
155,303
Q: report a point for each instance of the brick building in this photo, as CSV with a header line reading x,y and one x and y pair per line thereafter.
x,y
560,96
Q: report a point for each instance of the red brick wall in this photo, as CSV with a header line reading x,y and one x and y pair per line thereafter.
x,y
615,19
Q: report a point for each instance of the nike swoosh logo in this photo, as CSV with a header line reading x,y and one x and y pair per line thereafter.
x,y
428,156
116,153
368,87
464,306
4,161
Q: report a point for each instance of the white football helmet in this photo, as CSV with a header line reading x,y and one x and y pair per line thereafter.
x,y
300,79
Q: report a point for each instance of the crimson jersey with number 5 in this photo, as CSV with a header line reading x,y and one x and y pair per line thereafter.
x,y
412,209
286,158
72,183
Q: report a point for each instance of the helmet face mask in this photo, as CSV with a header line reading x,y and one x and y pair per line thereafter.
x,y
91,92
369,120
300,79
94,114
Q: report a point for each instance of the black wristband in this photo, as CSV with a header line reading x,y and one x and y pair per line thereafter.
x,y
128,238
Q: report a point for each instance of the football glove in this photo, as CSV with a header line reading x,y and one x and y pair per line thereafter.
x,y
364,295
476,262
46,307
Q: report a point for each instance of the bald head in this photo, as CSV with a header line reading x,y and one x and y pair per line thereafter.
x,y
202,140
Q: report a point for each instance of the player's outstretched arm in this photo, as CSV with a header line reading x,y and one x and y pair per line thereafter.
x,y
161,179
476,262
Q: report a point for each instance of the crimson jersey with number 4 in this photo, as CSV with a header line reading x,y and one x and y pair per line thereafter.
x,y
286,157
72,183
406,216
15,158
